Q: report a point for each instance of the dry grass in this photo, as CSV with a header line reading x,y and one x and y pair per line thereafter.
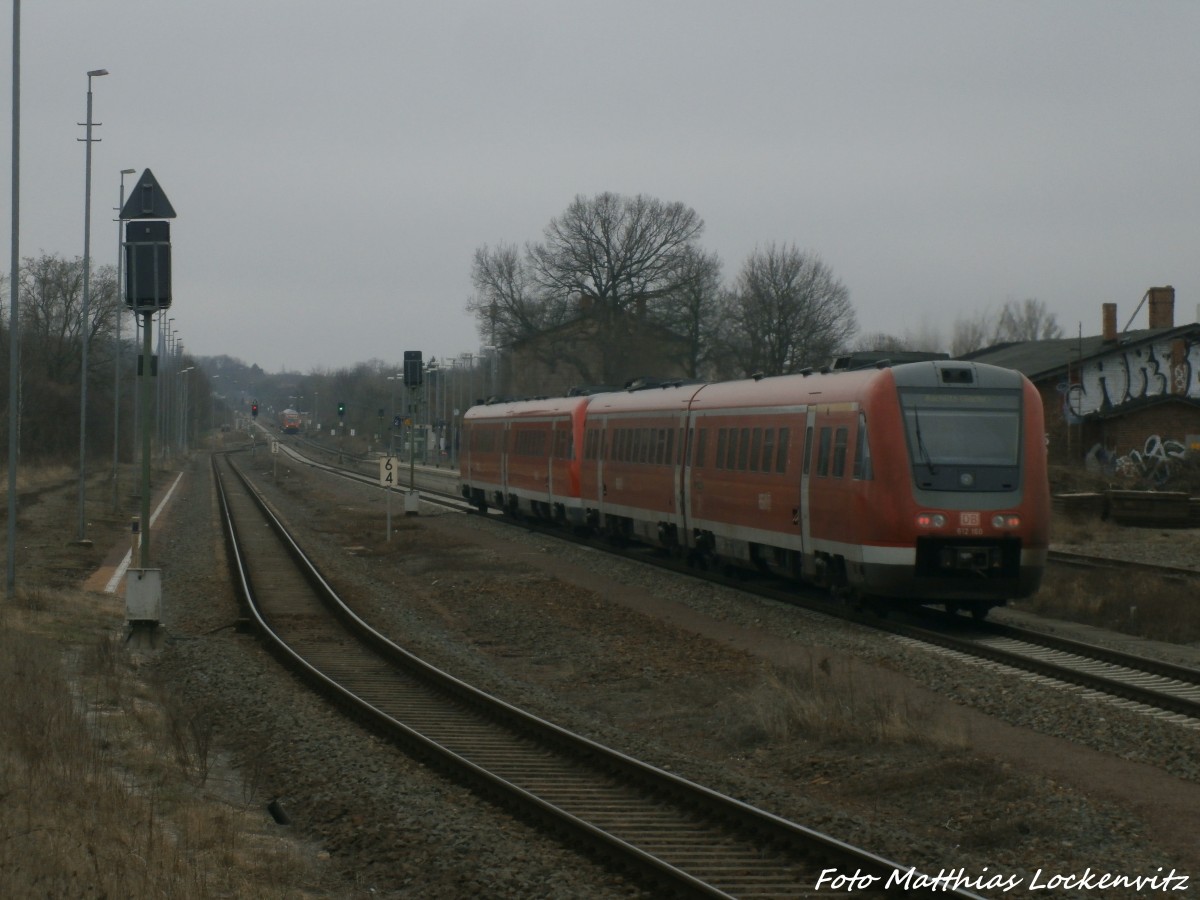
x,y
91,807
90,804
1140,604
833,704
1148,606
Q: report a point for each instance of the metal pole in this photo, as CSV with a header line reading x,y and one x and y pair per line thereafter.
x,y
85,322
14,368
145,405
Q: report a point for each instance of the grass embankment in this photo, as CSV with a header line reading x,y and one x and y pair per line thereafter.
x,y
106,785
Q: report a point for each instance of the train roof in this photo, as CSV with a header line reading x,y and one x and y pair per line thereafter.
x,y
806,387
803,388
538,407
671,396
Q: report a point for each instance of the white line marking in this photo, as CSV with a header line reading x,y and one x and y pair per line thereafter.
x,y
111,587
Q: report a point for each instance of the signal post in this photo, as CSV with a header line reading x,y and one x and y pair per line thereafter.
x,y
413,372
147,254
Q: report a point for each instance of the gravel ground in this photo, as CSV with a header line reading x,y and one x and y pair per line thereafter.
x,y
943,765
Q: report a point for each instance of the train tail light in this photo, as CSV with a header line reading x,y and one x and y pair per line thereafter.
x,y
930,520
1008,521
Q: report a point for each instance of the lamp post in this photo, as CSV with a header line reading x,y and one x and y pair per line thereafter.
x,y
85,324
183,409
10,578
212,418
117,355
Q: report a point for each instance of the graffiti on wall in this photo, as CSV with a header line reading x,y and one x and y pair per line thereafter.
x,y
1151,464
1138,373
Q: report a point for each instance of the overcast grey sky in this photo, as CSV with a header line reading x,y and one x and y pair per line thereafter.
x,y
334,166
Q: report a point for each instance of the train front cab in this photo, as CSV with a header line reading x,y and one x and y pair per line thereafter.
x,y
966,466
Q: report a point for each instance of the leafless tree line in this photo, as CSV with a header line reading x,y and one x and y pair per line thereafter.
x,y
623,264
50,358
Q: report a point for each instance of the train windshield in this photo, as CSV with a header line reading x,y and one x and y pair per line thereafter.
x,y
957,430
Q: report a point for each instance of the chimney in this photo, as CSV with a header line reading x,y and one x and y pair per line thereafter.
x,y
1110,323
1162,307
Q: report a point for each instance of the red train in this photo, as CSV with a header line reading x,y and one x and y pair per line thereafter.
x,y
290,422
920,483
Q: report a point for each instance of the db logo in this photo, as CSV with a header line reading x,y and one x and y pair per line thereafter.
x,y
968,519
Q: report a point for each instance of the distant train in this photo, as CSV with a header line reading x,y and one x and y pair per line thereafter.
x,y
920,483
289,421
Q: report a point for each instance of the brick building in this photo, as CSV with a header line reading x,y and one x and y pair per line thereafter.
x,y
1128,399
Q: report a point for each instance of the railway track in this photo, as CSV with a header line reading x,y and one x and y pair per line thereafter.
x,y
1145,685
678,835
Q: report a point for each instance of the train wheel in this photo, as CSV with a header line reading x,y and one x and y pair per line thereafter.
x,y
979,611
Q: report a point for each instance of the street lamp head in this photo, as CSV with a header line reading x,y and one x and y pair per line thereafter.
x,y
128,171
95,73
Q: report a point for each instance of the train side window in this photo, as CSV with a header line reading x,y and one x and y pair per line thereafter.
x,y
731,449
721,436
768,448
701,444
671,458
808,442
823,451
660,447
781,456
645,450
755,448
841,438
862,452
743,449
618,444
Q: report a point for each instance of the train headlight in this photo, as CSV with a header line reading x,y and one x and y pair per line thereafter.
x,y
930,520
1006,521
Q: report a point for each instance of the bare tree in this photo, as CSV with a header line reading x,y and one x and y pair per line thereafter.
x,y
787,311
51,334
694,312
1028,320
506,305
615,261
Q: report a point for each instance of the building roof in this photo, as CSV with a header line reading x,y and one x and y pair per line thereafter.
x,y
1037,360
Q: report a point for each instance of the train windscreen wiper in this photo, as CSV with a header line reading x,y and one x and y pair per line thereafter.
x,y
921,448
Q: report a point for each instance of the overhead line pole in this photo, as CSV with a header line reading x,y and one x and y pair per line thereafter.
x,y
14,368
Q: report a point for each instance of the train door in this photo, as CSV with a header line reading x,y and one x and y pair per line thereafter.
x,y
560,434
503,448
603,448
804,505
678,467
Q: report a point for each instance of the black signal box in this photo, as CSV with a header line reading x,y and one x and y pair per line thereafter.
x,y
413,368
147,265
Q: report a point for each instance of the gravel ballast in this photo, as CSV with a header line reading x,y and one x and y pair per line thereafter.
x,y
944,765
